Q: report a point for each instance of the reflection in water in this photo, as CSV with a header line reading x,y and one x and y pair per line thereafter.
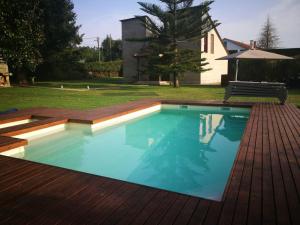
x,y
182,153
208,124
186,151
233,126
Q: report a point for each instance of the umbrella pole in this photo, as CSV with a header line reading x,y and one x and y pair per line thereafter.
x,y
236,69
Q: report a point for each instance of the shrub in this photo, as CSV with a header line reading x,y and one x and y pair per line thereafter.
x,y
65,66
104,69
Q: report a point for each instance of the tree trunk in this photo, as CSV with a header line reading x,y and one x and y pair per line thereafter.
x,y
21,76
175,80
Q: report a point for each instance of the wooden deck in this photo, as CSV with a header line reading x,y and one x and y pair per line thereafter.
x,y
264,186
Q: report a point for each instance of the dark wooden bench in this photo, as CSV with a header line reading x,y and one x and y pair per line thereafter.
x,y
256,89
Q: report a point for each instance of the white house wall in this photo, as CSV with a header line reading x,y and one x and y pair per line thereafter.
x,y
218,67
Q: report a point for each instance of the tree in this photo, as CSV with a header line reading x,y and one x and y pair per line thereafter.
x,y
21,34
111,49
35,34
61,36
268,36
88,54
173,46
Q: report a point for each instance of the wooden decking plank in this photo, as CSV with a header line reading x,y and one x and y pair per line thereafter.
x,y
241,212
162,209
290,188
292,148
9,118
200,212
79,198
293,177
28,183
293,120
175,209
8,143
96,195
49,195
295,110
8,167
128,220
293,130
235,179
132,206
129,209
187,211
294,115
33,126
102,211
278,185
162,198
8,199
20,174
268,202
255,198
213,213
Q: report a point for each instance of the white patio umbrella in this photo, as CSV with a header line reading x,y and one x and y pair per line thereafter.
x,y
253,54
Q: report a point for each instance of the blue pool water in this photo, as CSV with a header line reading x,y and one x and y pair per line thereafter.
x,y
189,150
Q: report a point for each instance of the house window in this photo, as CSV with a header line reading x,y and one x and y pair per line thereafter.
x,y
212,43
206,43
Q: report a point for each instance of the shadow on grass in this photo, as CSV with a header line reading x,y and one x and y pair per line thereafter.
x,y
92,86
131,94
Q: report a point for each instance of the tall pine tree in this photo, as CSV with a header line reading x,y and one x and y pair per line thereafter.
x,y
176,29
61,36
268,36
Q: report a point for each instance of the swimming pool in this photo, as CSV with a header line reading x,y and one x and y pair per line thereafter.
x,y
185,149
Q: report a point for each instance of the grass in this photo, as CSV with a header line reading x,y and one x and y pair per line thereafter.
x,y
108,92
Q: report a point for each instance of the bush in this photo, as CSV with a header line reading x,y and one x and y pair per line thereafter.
x,y
104,69
64,66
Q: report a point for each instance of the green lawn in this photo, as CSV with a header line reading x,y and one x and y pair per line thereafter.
x,y
108,92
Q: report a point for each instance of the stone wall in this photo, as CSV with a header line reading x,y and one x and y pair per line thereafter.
x,y
132,28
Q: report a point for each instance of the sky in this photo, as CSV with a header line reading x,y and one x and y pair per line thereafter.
x,y
240,20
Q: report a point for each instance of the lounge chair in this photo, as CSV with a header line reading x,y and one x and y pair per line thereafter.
x,y
256,89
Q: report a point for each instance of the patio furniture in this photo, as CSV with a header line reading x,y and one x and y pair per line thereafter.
x,y
252,54
256,89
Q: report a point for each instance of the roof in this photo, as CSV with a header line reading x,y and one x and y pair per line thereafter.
x,y
238,43
134,18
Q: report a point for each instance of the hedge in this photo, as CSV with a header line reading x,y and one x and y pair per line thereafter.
x,y
104,69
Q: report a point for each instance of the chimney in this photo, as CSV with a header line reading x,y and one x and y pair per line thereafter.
x,y
254,44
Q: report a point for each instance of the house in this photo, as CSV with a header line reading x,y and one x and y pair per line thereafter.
x,y
134,58
236,46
